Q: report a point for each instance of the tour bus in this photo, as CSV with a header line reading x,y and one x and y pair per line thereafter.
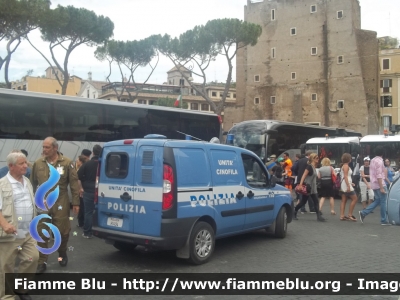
x,y
267,137
333,147
26,118
390,144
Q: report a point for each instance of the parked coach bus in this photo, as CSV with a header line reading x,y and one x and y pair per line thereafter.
x,y
390,144
267,137
27,118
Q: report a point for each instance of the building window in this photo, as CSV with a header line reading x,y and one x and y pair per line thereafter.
x,y
293,76
57,91
314,97
228,95
87,93
181,82
94,95
386,64
386,101
272,14
293,31
194,106
340,104
205,107
313,8
340,59
151,102
313,50
386,84
273,52
340,14
256,100
387,121
273,99
256,78
234,96
221,94
213,94
142,101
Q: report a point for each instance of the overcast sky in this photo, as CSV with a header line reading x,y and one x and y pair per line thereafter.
x,y
138,19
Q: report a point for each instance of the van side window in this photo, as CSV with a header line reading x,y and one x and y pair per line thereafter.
x,y
117,165
255,174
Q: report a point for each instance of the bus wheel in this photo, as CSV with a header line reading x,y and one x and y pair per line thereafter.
x,y
124,247
201,243
281,224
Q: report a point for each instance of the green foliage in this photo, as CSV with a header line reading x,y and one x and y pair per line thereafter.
x,y
388,42
76,25
169,102
3,85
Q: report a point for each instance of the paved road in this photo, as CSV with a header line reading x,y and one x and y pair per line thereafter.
x,y
310,247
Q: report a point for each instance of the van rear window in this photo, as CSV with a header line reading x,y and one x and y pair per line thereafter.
x,y
117,165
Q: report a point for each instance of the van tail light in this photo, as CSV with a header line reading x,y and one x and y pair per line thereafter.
x,y
168,187
96,186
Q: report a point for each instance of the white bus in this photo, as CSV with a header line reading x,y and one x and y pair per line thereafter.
x,y
27,118
390,144
266,137
334,147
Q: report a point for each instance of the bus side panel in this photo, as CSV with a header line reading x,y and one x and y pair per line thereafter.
x,y
148,183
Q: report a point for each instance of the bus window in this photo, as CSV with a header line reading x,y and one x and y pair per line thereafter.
x,y
25,120
75,121
200,126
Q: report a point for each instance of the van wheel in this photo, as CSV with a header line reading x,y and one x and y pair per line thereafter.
x,y
281,224
124,247
201,243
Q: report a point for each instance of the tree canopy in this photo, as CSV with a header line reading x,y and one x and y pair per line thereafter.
x,y
197,48
388,42
69,27
129,55
17,19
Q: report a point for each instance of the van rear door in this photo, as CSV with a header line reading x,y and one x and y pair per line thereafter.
x,y
116,208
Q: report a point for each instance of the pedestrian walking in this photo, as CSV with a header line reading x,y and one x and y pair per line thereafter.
x,y
377,178
17,210
325,174
310,178
367,194
347,189
60,211
287,168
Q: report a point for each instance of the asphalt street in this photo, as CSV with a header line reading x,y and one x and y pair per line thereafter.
x,y
309,247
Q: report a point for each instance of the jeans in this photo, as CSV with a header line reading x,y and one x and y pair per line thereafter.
x,y
88,200
381,199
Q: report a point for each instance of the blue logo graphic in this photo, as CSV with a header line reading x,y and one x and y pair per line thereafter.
x,y
40,202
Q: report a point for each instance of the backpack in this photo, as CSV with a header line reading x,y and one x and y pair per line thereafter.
x,y
338,181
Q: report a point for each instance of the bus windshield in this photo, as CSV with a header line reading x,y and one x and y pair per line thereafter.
x,y
250,136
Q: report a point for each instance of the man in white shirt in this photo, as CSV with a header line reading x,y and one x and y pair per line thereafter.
x,y
17,209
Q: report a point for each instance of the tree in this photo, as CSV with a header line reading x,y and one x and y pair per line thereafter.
x,y
3,85
169,102
17,19
197,48
68,28
129,55
388,42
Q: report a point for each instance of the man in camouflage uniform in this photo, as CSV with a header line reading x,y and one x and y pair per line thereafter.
x,y
60,211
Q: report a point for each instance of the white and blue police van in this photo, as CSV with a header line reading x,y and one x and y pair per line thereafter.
x,y
183,195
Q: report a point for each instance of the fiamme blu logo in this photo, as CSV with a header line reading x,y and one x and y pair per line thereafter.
x,y
45,204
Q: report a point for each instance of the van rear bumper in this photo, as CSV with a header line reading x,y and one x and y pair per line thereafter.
x,y
174,234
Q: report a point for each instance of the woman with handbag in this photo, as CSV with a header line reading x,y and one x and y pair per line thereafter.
x,y
326,175
347,189
310,179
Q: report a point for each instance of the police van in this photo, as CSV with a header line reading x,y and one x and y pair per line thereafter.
x,y
183,195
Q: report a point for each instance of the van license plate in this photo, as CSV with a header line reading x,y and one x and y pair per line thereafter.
x,y
116,222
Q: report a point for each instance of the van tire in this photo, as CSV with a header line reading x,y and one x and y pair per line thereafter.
x,y
281,224
202,234
124,247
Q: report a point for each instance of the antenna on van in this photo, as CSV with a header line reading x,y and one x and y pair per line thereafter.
x,y
188,135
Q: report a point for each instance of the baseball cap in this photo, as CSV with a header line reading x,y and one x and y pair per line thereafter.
x,y
367,158
280,159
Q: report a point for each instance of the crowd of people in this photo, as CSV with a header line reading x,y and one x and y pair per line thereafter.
x,y
373,181
18,184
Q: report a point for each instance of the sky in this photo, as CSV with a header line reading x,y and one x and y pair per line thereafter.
x,y
138,19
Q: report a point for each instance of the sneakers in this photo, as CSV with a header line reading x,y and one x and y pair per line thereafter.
x,y
86,236
386,224
361,216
